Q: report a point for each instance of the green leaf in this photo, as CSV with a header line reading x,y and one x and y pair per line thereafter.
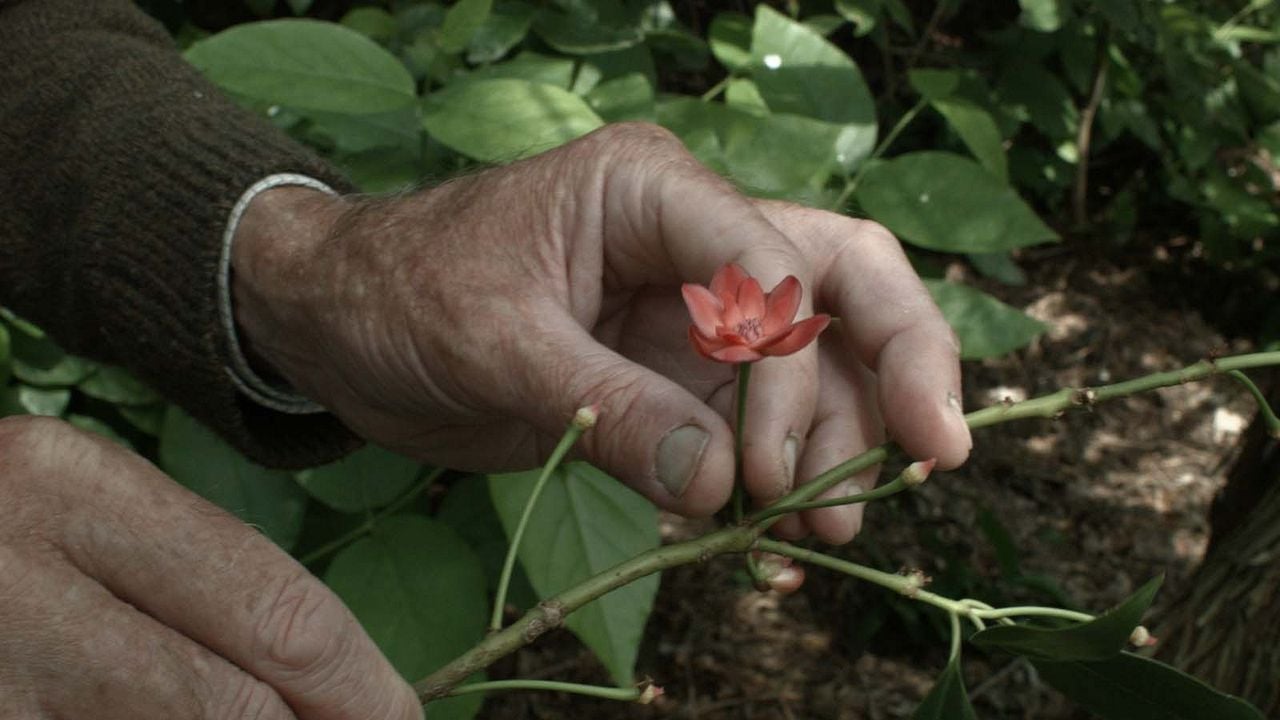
x,y
462,22
96,425
117,386
27,400
374,23
24,327
942,201
299,7
531,66
824,25
468,509
629,97
147,418
948,699
418,591
975,126
744,95
1042,15
305,64
1101,638
507,24
986,326
6,356
999,266
585,523
1130,687
772,155
400,129
798,71
730,39
864,14
67,371
267,499
505,119
1033,93
588,27
367,478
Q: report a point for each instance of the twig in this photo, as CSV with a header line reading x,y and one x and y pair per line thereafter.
x,y
1084,134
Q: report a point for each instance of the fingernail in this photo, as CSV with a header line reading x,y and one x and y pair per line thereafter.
x,y
953,404
790,448
679,453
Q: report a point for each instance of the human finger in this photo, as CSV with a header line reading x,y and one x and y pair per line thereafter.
x,y
75,651
210,577
652,434
895,328
847,422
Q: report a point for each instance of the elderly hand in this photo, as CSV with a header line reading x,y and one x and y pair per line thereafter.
x,y
125,596
465,323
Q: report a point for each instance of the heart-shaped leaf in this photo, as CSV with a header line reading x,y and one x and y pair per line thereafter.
x,y
368,478
948,699
1099,639
586,522
986,326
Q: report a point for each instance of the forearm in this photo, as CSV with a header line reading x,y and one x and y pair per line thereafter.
x,y
118,167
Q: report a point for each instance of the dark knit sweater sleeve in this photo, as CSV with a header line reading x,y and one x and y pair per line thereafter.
x,y
119,166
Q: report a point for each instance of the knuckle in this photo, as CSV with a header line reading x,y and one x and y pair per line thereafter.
x,y
248,698
301,627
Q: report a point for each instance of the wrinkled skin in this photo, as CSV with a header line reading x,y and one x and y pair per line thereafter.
x,y
123,596
463,325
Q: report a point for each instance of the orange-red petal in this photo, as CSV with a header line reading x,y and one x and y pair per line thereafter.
x,y
727,279
704,308
802,333
736,354
751,299
781,305
704,346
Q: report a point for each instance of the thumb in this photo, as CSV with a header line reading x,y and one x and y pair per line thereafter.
x,y
651,434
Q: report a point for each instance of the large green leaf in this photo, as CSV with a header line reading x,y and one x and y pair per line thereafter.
x,y
65,371
267,499
774,155
975,126
1101,638
305,64
365,479
418,591
1042,15
117,386
580,27
629,97
1130,687
461,23
948,699
468,509
27,400
942,201
585,523
506,119
986,326
798,71
507,24
400,129
730,39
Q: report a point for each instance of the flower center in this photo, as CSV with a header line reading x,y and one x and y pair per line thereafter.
x,y
750,329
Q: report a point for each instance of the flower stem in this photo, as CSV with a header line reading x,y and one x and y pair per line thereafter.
x,y
739,431
1031,611
598,691
369,524
893,487
1264,407
571,436
955,637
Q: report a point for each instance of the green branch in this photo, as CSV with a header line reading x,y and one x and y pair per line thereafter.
x,y
550,613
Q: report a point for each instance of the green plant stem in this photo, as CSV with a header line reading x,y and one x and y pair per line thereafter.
x,y
372,521
550,613
897,129
570,437
902,584
892,487
1264,407
740,430
597,691
1031,611
955,637
716,89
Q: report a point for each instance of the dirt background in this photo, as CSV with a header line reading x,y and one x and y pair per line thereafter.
x,y
1093,504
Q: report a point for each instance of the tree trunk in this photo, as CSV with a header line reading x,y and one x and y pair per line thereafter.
x,y
1226,628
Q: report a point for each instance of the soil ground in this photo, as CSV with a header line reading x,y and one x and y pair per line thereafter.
x,y
1093,504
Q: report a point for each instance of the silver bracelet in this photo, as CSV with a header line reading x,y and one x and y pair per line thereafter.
x,y
283,399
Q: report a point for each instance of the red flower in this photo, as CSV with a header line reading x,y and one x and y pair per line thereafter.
x,y
735,322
